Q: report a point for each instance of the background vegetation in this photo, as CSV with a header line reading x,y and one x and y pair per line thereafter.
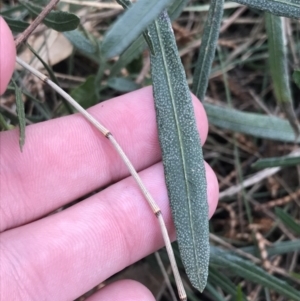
x,y
255,230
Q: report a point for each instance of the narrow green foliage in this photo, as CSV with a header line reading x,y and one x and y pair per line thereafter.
x,y
276,161
288,220
16,25
279,67
57,20
181,152
132,52
128,27
216,295
285,8
220,280
21,115
278,248
257,125
46,66
80,42
122,84
126,4
296,77
85,94
249,271
207,49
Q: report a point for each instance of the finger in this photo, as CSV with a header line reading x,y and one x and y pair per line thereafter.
x,y
123,290
66,158
70,252
7,55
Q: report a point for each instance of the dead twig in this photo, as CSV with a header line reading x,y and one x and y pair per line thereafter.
x,y
37,21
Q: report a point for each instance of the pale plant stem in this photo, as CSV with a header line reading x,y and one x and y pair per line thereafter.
x,y
156,210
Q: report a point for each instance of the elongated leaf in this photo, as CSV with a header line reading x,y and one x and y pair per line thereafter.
x,y
131,25
288,220
52,76
181,152
57,20
257,125
276,161
126,4
220,280
122,84
285,8
136,48
208,48
132,52
296,77
21,115
16,25
80,41
277,248
84,94
279,67
249,271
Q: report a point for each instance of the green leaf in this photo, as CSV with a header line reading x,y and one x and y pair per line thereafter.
x,y
249,271
122,84
208,48
279,67
132,52
16,25
285,8
296,77
257,125
136,48
288,220
52,76
220,280
57,20
176,8
128,27
21,115
84,94
278,248
126,4
276,161
181,152
80,41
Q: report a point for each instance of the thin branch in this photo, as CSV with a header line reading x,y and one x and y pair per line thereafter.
x,y
37,21
144,190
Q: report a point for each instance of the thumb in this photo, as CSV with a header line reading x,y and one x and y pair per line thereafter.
x,y
7,55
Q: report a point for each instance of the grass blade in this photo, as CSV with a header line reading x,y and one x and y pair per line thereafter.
x,y
208,48
288,220
21,115
276,161
257,125
279,67
181,152
249,271
296,77
133,22
285,8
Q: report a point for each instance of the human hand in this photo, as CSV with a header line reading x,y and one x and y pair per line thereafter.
x,y
63,255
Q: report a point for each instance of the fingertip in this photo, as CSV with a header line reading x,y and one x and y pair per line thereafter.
x,y
212,189
123,290
7,55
